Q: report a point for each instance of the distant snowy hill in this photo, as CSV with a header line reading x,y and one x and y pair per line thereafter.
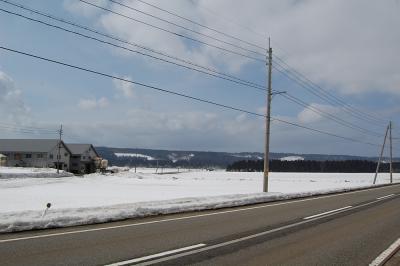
x,y
202,159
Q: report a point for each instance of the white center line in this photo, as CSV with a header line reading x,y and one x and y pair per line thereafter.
x,y
154,256
325,213
387,254
387,196
207,248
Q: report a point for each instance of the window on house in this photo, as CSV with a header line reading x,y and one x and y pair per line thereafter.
x,y
58,156
39,155
28,155
66,154
17,156
51,156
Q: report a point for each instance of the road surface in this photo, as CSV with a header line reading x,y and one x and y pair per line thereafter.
x,y
341,229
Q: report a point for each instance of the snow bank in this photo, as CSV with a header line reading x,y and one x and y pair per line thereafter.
x,y
27,172
97,198
28,220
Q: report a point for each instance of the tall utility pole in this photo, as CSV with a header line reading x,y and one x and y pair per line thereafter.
x,y
59,150
268,118
380,157
391,152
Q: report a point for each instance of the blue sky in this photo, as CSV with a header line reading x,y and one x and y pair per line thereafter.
x,y
346,47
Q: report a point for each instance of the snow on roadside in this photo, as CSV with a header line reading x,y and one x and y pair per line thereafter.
x,y
97,198
28,220
27,172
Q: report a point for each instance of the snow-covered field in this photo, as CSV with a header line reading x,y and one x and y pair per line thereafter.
x,y
98,198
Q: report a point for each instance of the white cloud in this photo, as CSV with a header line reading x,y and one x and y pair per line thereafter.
x,y
352,51
12,106
316,112
82,9
89,104
124,88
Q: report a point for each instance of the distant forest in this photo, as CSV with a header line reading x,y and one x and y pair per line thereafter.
x,y
348,166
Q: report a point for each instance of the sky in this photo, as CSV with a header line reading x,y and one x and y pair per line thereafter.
x,y
348,49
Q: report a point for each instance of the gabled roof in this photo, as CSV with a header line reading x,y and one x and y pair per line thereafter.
x,y
78,149
29,145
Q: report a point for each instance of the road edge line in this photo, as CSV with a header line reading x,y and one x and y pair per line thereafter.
x,y
386,254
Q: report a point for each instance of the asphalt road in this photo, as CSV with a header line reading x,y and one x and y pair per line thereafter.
x,y
342,229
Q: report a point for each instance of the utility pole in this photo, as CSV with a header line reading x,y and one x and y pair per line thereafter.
x,y
59,150
380,157
136,161
391,152
268,118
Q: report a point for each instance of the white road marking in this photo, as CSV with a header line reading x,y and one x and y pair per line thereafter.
x,y
192,252
387,196
183,218
324,213
387,254
126,262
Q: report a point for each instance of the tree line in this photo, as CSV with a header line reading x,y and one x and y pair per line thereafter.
x,y
347,166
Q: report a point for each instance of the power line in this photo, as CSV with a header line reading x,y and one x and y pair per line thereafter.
x,y
201,25
256,87
231,21
316,93
342,102
27,130
173,33
324,132
237,81
27,127
326,94
328,115
186,28
181,95
340,121
113,37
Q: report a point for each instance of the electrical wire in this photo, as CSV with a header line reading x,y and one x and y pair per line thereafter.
x,y
182,95
201,25
327,93
316,93
296,73
186,28
113,37
245,83
325,114
328,115
174,33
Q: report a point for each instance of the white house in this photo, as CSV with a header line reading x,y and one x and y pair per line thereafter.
x,y
35,153
83,158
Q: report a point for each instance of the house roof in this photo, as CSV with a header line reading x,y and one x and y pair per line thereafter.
x,y
29,145
77,149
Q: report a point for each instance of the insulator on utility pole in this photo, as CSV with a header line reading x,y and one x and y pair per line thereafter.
x,y
268,118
